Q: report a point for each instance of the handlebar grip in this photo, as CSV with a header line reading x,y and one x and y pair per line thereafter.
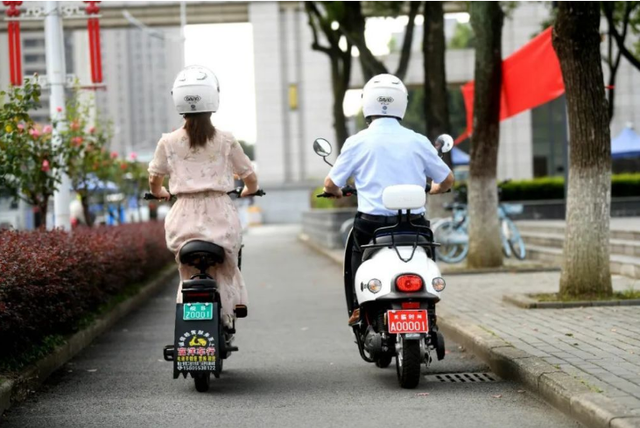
x,y
151,197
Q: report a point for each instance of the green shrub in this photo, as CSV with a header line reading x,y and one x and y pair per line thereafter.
x,y
546,188
321,203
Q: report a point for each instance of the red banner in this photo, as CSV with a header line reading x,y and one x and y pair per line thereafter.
x,y
531,76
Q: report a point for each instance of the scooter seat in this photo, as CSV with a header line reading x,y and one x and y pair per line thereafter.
x,y
201,253
400,239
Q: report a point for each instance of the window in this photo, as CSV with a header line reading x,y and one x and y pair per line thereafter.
x,y
33,43
34,58
549,136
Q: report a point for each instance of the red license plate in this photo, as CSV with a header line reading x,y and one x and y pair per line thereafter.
x,y
408,321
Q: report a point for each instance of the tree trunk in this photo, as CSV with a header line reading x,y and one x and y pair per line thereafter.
x,y
485,246
84,199
576,39
353,26
340,74
43,207
436,105
340,65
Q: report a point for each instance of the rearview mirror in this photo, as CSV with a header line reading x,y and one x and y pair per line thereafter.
x,y
444,143
322,147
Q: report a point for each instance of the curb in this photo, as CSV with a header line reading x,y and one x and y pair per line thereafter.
x,y
14,390
561,390
558,388
525,302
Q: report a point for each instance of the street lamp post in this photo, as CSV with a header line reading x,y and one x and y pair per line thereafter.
x,y
56,77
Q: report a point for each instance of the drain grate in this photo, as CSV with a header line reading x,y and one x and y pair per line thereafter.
x,y
463,377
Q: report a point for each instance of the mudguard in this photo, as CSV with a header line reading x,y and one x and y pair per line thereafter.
x,y
198,347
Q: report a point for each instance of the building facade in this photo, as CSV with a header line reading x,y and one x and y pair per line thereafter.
x,y
531,143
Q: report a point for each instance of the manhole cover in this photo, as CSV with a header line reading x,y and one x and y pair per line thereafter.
x,y
463,377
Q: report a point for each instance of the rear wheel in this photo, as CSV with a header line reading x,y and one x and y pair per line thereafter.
x,y
408,363
202,381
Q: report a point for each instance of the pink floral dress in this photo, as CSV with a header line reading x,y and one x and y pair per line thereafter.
x,y
200,178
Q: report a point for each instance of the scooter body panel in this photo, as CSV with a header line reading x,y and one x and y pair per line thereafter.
x,y
386,266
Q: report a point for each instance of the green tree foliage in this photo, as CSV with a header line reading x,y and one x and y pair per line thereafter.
x,y
463,37
30,162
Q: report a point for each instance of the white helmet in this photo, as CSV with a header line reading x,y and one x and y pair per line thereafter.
x,y
384,95
196,90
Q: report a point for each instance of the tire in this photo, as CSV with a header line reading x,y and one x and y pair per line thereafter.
x,y
449,253
408,364
384,361
515,240
506,249
202,381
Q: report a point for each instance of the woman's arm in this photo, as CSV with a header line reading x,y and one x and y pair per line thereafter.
x,y
156,187
250,184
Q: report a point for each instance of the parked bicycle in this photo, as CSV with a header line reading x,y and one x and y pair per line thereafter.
x,y
452,233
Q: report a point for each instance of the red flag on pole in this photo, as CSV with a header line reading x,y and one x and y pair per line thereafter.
x,y
531,76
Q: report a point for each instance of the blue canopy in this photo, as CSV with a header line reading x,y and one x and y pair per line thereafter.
x,y
626,144
93,183
458,157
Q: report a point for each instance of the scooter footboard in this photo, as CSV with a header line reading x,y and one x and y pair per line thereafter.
x,y
198,344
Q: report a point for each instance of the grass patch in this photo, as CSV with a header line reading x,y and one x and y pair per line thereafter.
x,y
629,294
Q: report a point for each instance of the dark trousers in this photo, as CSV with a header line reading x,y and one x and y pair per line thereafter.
x,y
363,230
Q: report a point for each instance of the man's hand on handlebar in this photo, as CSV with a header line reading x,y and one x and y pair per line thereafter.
x,y
332,193
444,187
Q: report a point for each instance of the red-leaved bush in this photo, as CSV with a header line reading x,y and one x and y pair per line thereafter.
x,y
49,280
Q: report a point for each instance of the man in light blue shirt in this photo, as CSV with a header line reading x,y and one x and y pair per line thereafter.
x,y
384,154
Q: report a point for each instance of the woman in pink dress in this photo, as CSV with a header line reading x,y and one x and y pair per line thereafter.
x,y
201,162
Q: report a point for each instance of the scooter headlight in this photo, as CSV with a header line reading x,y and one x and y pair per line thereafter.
x,y
375,285
438,284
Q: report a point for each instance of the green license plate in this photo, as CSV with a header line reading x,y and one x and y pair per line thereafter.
x,y
197,311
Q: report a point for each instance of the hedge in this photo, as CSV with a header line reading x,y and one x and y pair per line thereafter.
x,y
51,280
622,185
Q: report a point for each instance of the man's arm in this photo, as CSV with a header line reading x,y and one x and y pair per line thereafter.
x,y
331,188
443,186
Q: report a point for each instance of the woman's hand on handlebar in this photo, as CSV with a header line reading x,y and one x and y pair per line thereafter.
x,y
163,195
249,191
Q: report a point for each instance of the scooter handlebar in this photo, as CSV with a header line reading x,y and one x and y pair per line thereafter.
x,y
346,191
238,191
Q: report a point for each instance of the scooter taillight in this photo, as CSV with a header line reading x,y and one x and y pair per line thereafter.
x,y
409,283
410,305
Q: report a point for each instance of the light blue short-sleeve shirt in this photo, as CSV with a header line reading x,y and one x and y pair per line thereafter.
x,y
386,154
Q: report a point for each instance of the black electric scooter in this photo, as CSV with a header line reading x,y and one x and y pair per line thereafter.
x,y
201,342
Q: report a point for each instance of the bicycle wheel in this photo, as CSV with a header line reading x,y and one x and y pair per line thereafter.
x,y
454,241
515,240
504,232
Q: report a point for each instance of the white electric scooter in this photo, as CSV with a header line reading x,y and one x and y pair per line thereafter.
x,y
398,284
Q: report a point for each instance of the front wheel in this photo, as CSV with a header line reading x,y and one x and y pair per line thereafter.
x,y
408,363
202,381
453,240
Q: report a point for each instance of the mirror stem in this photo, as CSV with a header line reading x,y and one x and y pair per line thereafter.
x,y
324,158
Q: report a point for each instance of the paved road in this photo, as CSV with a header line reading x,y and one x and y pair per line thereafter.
x,y
297,366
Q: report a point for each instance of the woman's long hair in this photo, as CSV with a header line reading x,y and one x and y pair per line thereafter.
x,y
199,128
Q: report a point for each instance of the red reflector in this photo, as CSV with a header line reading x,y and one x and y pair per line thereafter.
x,y
410,305
197,294
409,283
